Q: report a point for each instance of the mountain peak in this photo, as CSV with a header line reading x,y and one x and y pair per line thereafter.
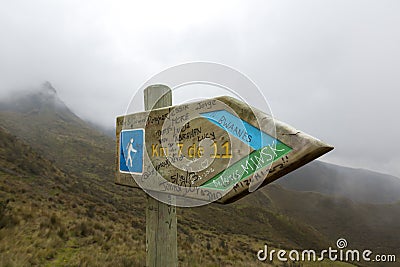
x,y
40,100
45,95
48,88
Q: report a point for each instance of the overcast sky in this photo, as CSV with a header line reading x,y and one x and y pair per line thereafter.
x,y
329,68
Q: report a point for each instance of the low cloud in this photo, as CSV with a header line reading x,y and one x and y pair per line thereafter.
x,y
328,68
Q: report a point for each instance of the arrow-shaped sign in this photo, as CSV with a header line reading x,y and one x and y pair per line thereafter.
x,y
218,149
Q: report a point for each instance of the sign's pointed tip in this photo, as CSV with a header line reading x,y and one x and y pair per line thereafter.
x,y
325,147
321,150
322,145
328,148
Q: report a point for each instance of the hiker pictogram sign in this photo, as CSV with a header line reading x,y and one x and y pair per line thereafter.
x,y
218,149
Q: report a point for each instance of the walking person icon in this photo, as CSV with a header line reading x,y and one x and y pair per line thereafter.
x,y
131,145
130,149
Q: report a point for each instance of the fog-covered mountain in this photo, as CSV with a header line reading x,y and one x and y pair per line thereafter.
x,y
359,185
40,100
58,198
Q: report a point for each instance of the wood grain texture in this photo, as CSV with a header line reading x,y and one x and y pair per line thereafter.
x,y
161,223
159,123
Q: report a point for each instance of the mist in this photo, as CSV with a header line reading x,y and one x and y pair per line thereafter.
x,y
329,68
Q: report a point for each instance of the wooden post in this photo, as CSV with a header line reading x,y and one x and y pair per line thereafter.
x,y
161,224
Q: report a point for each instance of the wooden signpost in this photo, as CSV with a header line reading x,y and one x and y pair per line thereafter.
x,y
161,223
214,150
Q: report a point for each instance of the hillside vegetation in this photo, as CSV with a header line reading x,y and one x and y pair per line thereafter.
x,y
59,205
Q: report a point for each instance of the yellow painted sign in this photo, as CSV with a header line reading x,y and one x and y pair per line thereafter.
x,y
218,149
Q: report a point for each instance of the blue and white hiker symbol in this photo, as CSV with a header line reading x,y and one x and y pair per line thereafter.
x,y
131,151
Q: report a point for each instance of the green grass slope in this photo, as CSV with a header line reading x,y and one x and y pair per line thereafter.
x,y
60,206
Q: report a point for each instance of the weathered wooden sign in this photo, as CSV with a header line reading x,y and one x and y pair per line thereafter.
x,y
218,149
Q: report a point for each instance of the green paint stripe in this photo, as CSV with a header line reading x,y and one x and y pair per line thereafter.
x,y
246,166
